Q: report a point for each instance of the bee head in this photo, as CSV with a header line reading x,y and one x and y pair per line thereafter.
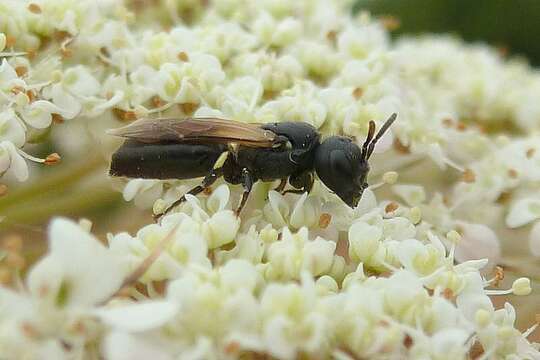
x,y
343,166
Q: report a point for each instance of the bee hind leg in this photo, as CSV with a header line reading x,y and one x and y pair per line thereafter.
x,y
206,183
247,183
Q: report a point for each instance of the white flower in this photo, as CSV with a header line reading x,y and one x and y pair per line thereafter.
x,y
8,77
188,246
276,33
123,346
217,305
11,128
295,253
360,41
341,107
423,259
523,212
144,191
131,93
364,241
291,309
413,195
224,40
276,73
68,275
138,317
319,59
249,246
221,228
38,114
69,94
296,104
187,82
445,344
2,41
478,241
534,239
64,287
239,99
12,161
268,282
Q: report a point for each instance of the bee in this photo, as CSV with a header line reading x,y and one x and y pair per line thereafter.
x,y
170,148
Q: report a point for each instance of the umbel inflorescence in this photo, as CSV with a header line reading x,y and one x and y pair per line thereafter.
x,y
295,276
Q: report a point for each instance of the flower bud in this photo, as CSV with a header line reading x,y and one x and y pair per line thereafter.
x,y
482,318
453,236
415,215
390,177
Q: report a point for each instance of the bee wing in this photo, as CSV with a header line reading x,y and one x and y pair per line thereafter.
x,y
197,130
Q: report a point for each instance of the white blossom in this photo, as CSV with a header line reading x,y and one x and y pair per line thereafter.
x,y
399,276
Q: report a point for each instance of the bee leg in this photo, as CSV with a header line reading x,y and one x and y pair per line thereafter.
x,y
281,185
247,183
303,183
206,183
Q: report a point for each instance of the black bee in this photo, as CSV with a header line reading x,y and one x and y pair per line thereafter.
x,y
288,151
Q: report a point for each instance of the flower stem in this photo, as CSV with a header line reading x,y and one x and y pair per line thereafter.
x,y
59,180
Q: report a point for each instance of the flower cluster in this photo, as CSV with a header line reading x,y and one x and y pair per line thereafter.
x,y
268,290
294,276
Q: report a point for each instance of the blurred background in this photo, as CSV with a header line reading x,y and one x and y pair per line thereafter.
x,y
79,187
510,25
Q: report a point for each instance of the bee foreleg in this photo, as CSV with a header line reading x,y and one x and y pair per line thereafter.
x,y
281,185
303,183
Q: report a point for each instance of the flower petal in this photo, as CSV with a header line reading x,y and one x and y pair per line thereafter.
x,y
80,264
11,129
139,316
477,242
122,346
523,212
534,239
11,160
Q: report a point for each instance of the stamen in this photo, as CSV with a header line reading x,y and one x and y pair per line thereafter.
x,y
499,276
13,54
389,177
468,176
51,159
454,237
38,85
499,292
30,157
376,186
520,287
530,330
161,108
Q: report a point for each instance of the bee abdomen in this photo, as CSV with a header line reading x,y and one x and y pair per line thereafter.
x,y
164,161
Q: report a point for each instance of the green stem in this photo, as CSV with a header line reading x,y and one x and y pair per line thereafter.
x,y
57,181
76,202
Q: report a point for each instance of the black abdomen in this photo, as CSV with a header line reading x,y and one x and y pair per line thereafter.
x,y
164,161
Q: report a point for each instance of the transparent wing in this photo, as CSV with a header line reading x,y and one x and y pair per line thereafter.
x,y
197,130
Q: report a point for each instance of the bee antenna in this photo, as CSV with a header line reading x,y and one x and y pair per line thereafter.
x,y
379,135
371,133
